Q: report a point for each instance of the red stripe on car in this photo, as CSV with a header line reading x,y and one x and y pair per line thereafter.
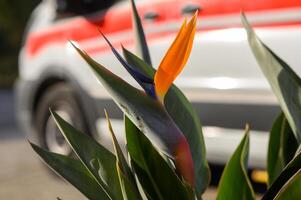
x,y
119,20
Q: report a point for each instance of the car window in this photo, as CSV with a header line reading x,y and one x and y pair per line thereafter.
x,y
66,8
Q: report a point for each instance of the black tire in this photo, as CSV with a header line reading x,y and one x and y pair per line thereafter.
x,y
62,99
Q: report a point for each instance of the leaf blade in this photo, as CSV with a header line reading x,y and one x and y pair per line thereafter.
x,y
292,168
165,183
291,190
281,149
98,160
74,172
284,82
126,177
234,183
141,43
126,185
190,126
146,113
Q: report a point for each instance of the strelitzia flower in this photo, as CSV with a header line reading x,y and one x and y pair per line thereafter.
x,y
175,58
171,65
169,68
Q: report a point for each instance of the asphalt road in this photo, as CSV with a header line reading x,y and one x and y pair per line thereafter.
x,y
22,174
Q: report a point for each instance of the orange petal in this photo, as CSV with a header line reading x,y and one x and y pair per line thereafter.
x,y
175,58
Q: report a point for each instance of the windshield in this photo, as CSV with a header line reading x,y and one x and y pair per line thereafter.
x,y
77,7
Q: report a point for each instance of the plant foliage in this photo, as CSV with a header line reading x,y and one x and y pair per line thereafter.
x,y
166,156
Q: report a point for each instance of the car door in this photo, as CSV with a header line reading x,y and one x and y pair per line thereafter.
x,y
222,77
278,23
72,23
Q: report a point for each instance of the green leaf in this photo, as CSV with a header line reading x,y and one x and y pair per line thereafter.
x,y
74,172
157,177
186,119
234,183
283,80
282,147
126,178
147,114
291,190
138,63
146,184
127,189
298,150
189,123
120,157
142,48
98,160
288,172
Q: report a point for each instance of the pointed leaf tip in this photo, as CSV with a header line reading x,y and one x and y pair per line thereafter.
x,y
135,73
235,183
114,139
126,178
96,158
284,81
245,22
141,44
74,172
146,83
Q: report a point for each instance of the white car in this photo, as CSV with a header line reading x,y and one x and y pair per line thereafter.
x,y
221,79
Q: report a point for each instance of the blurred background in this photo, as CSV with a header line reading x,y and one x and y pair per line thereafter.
x,y
22,175
13,18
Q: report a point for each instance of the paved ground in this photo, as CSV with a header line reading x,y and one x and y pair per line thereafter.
x,y
7,114
22,175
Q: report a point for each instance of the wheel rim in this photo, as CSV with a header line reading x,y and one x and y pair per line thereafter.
x,y
55,140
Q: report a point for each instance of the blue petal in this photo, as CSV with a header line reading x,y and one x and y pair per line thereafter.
x,y
146,83
135,73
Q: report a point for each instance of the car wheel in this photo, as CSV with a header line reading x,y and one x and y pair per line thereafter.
x,y
61,98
